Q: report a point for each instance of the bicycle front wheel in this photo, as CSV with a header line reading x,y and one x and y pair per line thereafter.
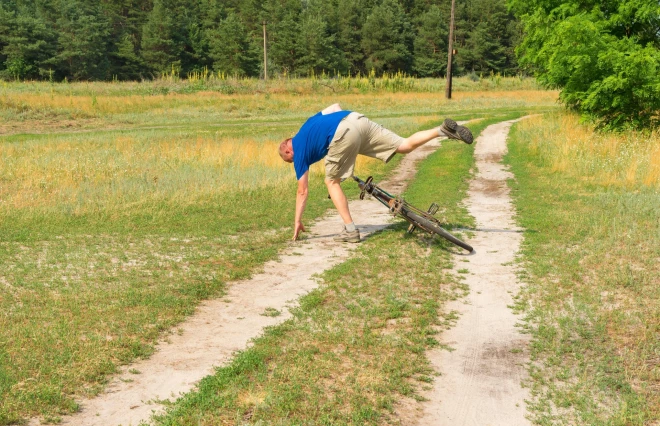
x,y
432,227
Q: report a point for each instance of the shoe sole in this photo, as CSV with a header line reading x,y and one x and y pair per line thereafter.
x,y
453,130
347,239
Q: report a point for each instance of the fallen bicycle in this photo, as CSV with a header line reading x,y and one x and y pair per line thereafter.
x,y
417,218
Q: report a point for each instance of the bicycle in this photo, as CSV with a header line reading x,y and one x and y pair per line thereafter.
x,y
417,218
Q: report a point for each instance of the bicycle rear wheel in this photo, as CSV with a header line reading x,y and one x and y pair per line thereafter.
x,y
432,227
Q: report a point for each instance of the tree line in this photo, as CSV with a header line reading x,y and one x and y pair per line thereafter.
x,y
143,39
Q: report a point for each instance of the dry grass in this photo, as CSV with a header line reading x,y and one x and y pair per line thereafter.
x,y
97,105
622,159
97,173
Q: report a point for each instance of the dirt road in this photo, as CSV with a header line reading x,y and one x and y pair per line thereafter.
x,y
480,382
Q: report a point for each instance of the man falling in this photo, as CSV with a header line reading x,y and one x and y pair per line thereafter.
x,y
340,136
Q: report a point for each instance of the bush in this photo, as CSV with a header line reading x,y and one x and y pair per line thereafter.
x,y
609,76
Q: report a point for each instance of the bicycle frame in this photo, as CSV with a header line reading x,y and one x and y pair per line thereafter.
x,y
369,187
395,204
417,218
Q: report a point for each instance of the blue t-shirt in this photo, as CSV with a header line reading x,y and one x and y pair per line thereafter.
x,y
311,142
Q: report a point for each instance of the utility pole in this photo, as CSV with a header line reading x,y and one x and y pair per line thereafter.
x,y
265,55
450,55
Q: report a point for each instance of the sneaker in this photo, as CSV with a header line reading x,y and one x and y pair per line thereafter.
x,y
454,131
348,237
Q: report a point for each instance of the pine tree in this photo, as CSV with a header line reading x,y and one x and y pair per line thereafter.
x,y
127,64
387,39
230,48
27,44
82,52
161,39
315,48
487,45
125,20
349,18
283,31
431,44
132,39
6,23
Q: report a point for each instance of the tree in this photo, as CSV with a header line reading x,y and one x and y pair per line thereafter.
x,y
127,63
387,38
602,55
82,52
133,39
27,43
430,45
315,48
348,18
6,23
126,18
230,48
283,31
162,45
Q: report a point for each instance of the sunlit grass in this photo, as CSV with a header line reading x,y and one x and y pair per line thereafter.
x,y
281,84
83,175
628,159
96,173
109,238
354,353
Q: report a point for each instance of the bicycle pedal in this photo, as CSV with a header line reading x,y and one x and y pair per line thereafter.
x,y
433,209
411,229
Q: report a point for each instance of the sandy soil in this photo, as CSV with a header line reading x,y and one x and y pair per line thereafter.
x,y
220,327
480,381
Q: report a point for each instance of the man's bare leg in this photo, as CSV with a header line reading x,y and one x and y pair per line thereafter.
x,y
339,199
418,139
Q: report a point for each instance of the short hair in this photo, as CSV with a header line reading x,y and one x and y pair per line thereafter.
x,y
282,148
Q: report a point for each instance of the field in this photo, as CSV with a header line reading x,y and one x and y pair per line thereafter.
x,y
122,206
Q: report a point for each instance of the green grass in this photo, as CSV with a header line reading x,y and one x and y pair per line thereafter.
x,y
90,279
591,264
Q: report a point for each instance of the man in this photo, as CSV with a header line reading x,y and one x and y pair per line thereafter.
x,y
340,136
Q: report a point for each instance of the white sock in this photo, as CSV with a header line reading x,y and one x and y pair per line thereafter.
x,y
350,227
440,132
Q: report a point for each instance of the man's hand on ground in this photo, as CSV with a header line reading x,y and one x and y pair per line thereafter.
x,y
297,229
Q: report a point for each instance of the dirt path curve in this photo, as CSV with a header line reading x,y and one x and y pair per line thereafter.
x,y
223,326
480,379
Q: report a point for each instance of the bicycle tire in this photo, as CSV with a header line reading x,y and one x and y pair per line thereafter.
x,y
432,227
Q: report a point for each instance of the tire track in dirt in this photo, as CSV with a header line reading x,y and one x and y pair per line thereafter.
x,y
480,381
220,327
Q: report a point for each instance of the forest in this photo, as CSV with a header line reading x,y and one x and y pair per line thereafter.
x,y
92,40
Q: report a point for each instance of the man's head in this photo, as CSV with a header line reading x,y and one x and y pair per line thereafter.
x,y
286,150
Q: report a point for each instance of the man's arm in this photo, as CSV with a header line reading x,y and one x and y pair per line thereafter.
x,y
301,202
332,108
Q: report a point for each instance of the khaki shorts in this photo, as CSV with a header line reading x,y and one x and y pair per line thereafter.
x,y
356,134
